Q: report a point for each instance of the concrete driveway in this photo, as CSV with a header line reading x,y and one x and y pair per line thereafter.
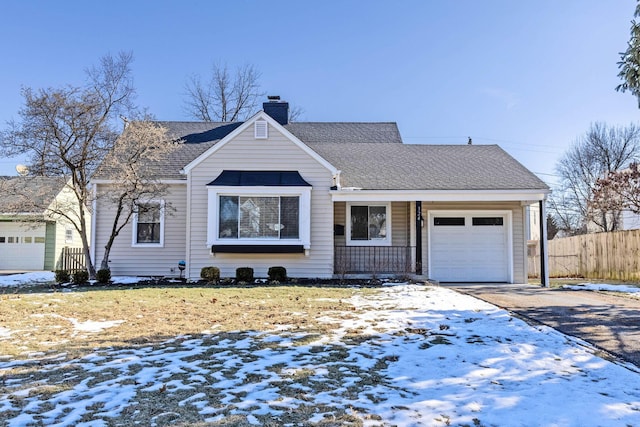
x,y
609,321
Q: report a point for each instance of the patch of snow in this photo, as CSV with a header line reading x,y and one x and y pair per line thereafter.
x,y
128,280
602,287
93,326
33,278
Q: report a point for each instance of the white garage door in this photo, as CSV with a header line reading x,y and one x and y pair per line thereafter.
x,y
469,246
21,247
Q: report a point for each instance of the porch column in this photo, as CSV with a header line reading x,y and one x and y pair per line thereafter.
x,y
418,237
544,258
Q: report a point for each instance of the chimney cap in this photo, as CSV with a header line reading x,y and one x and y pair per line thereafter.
x,y
273,98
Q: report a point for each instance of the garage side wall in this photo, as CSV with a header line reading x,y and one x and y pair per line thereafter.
x,y
518,230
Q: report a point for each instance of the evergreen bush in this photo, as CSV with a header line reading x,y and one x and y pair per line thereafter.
x,y
278,274
244,274
103,276
80,277
62,276
210,274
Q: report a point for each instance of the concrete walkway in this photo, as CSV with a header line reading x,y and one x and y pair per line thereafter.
x,y
611,322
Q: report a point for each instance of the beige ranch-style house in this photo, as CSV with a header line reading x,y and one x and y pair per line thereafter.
x,y
328,200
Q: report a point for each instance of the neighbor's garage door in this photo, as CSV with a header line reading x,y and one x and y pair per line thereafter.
x,y
21,247
469,247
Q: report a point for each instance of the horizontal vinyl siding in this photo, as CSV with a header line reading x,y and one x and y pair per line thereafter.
x,y
519,246
275,153
400,224
67,197
145,261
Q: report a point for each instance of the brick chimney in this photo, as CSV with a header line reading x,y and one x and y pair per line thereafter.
x,y
278,110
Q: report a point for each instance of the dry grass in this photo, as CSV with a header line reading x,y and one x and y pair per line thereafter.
x,y
42,325
47,321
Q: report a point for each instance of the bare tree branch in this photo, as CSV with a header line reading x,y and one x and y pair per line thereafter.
x,y
133,174
67,131
603,149
226,97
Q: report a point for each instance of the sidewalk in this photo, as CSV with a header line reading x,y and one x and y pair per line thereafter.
x,y
610,322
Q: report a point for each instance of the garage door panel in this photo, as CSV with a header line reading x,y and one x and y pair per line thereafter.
x,y
22,246
469,253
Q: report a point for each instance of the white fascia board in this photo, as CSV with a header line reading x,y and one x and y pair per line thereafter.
x,y
261,115
438,195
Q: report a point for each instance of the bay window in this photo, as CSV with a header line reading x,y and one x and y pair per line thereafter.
x,y
259,212
259,217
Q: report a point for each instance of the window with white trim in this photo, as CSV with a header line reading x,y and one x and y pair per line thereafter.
x,y
148,224
369,224
259,217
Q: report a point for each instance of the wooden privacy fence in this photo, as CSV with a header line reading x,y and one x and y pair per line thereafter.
x,y
72,259
613,255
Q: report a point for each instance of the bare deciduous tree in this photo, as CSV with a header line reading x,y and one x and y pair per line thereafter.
x,y
66,132
619,190
603,149
132,174
226,96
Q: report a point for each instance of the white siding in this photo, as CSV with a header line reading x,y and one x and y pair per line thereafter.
x,y
67,201
145,261
274,153
400,224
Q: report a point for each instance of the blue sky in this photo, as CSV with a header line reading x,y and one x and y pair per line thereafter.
x,y
530,76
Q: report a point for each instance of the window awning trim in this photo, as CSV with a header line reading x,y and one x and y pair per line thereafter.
x,y
236,178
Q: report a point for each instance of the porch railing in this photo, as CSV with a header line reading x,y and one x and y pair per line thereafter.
x,y
374,259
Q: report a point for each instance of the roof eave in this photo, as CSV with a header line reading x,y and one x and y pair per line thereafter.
x,y
509,195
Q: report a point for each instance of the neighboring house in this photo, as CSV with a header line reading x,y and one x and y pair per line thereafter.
x,y
31,236
328,200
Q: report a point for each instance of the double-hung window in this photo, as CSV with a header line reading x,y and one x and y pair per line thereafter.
x,y
369,224
148,224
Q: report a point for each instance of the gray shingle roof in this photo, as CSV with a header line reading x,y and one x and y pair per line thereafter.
x,y
427,167
318,132
28,194
372,156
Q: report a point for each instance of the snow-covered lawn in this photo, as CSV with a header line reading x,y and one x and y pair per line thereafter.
x,y
34,278
408,355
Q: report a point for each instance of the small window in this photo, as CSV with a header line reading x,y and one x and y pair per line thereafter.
x,y
488,220
38,240
68,235
445,220
12,239
148,224
27,239
368,223
261,129
3,239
